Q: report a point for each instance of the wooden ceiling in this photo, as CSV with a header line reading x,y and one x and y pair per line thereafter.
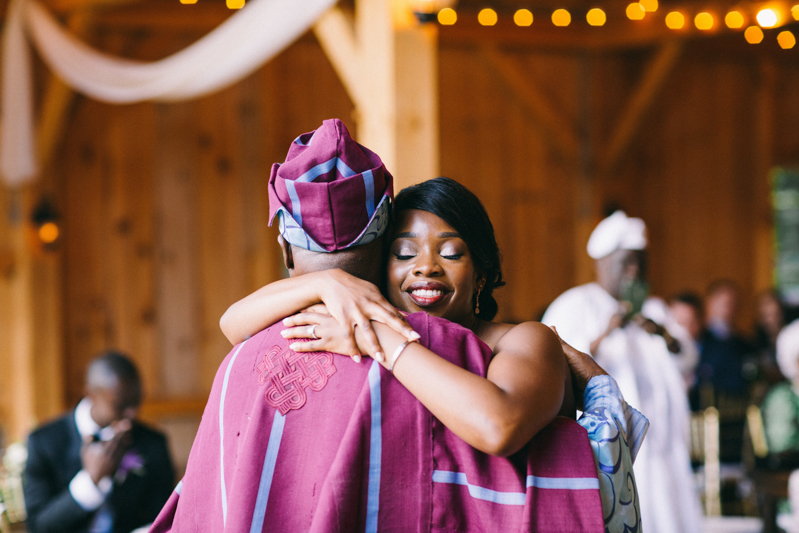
x,y
618,33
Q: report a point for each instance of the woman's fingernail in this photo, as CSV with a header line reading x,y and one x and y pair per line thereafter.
x,y
415,335
379,356
284,333
356,358
294,346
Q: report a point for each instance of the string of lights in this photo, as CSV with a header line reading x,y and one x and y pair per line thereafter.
x,y
752,22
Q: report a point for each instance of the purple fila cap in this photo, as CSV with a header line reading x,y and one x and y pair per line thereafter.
x,y
331,193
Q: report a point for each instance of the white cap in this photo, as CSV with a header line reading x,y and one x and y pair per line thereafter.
x,y
617,232
788,349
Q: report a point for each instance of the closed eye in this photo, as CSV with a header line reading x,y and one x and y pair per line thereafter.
x,y
453,257
401,257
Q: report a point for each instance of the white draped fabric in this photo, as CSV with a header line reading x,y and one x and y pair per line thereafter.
x,y
244,42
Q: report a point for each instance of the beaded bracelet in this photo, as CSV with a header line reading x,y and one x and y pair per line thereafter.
x,y
397,353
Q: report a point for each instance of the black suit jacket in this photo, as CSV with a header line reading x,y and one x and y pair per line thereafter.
x,y
54,459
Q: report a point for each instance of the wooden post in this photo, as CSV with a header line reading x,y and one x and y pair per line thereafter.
x,y
32,352
764,215
389,66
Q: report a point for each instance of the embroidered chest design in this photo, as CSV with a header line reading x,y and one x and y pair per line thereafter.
x,y
287,374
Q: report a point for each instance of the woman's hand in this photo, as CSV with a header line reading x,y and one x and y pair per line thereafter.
x,y
355,302
351,301
327,333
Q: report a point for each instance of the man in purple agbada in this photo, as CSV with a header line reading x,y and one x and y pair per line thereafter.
x,y
316,442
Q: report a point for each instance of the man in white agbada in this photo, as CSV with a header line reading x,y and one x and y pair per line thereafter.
x,y
635,339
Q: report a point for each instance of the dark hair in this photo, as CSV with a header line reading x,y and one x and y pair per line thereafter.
x,y
460,208
110,367
689,298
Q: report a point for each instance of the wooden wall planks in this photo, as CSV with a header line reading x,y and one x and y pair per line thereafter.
x,y
165,205
165,216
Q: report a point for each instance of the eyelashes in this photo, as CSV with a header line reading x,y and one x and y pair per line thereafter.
x,y
453,257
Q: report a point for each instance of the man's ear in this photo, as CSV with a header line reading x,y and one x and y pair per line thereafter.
x,y
288,256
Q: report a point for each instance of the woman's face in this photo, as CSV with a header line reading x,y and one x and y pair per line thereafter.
x,y
430,268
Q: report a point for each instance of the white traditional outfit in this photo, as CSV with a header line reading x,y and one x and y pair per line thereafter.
x,y
648,376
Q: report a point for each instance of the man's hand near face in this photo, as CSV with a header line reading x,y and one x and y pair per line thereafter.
x,y
102,458
653,328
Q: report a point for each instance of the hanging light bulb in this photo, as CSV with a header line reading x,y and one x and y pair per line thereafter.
x,y
596,17
734,20
704,21
561,17
767,18
753,35
635,11
523,17
786,40
650,6
447,16
675,20
487,17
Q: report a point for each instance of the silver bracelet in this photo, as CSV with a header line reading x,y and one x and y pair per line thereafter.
x,y
397,354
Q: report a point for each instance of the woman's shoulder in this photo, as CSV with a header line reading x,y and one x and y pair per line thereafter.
x,y
512,336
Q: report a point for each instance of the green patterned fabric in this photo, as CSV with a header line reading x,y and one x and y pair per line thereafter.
x,y
781,418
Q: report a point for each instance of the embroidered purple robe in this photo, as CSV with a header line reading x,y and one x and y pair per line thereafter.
x,y
295,442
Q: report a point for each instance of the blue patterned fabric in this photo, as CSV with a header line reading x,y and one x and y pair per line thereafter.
x,y
616,432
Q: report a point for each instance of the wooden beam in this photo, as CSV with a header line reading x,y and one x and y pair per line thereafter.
x,y
390,70
336,34
651,82
530,96
21,363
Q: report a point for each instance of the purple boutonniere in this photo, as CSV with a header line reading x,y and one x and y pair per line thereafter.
x,y
132,462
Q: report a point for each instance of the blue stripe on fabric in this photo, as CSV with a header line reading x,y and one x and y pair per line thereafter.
x,y
345,170
480,493
369,183
179,487
569,483
318,170
268,472
296,210
514,498
222,430
375,450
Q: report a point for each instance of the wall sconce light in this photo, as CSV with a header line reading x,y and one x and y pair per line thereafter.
x,y
46,222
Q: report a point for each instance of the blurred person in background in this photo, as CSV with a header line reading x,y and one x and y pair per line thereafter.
x,y
726,368
769,321
724,352
687,309
635,338
780,410
96,469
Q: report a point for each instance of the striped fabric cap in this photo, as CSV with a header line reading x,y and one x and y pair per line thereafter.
x,y
331,193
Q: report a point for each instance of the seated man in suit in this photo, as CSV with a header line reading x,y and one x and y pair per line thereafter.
x,y
96,469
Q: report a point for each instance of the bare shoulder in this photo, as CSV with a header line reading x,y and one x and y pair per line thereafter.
x,y
528,337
